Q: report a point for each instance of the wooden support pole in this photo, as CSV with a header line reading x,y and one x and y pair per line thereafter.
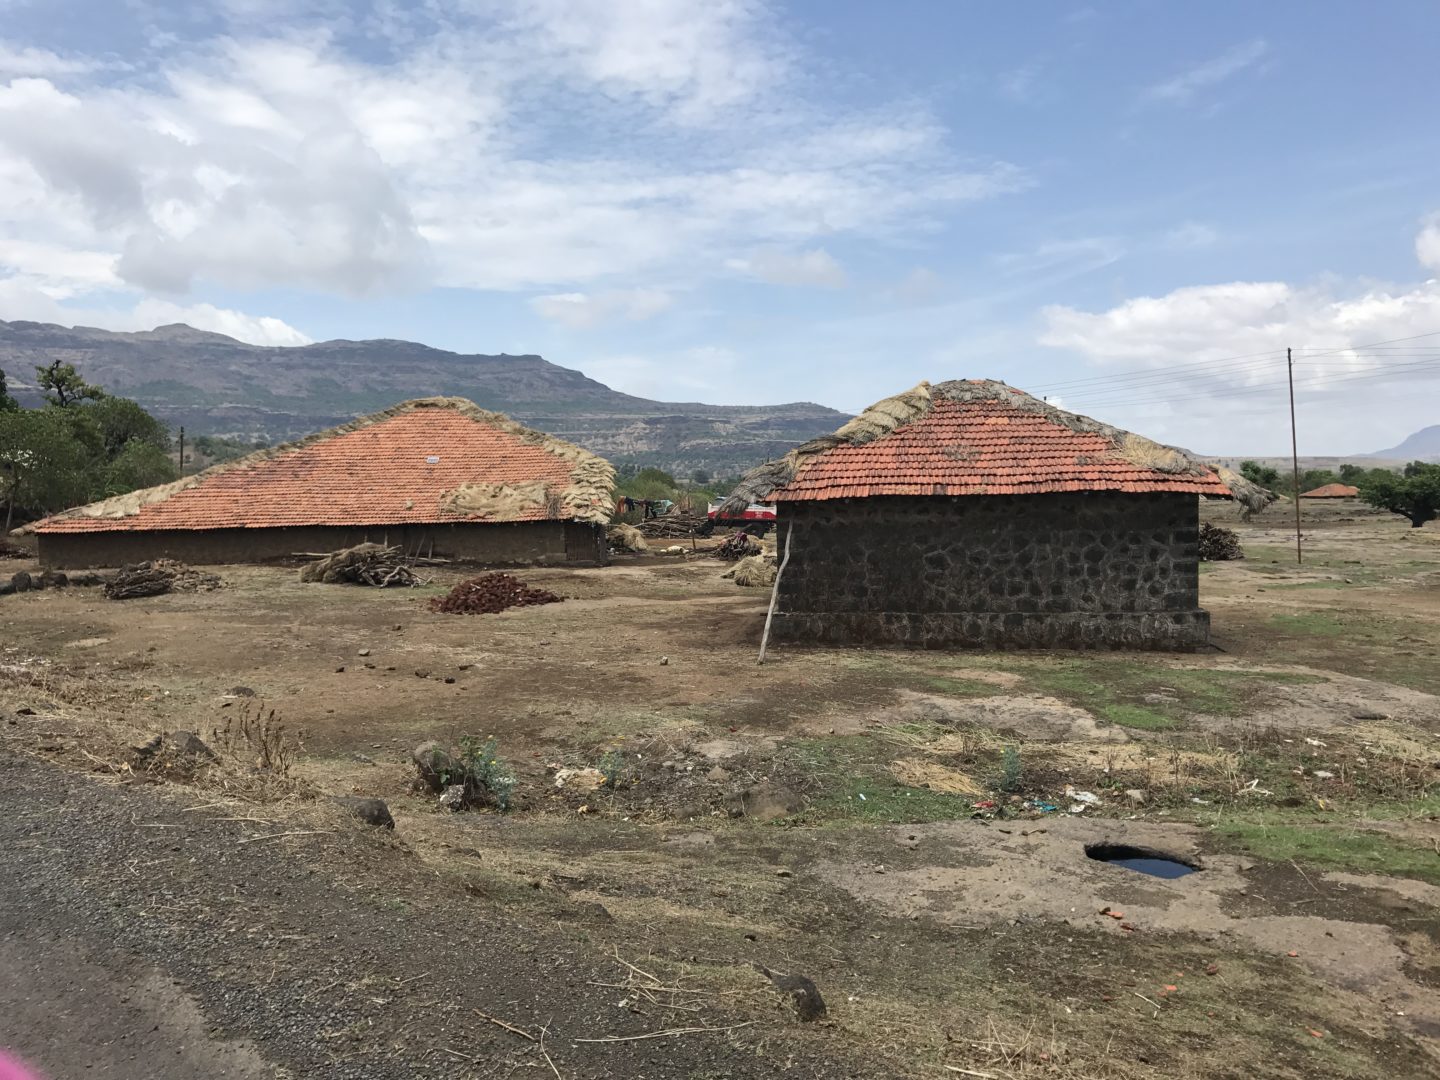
x,y
775,592
1294,452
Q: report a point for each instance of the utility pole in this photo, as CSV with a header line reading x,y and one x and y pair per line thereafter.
x,y
182,451
1294,451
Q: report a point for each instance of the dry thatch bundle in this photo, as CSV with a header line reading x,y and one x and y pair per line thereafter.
x,y
754,571
624,537
491,593
1218,544
886,416
363,564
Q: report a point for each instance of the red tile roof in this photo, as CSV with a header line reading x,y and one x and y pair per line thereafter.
x,y
397,468
984,447
1331,491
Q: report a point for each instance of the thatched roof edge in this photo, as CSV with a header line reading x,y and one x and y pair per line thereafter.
x,y
587,497
886,416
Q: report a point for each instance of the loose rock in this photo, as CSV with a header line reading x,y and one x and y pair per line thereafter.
x,y
372,811
766,802
434,764
804,995
453,797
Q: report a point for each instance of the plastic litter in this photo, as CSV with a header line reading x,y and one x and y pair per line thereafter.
x,y
1043,807
1089,798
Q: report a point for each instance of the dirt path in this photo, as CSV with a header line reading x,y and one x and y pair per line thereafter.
x,y
137,940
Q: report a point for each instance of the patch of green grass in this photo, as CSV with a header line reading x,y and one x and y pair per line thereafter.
x,y
1314,623
1330,847
1115,690
951,687
855,786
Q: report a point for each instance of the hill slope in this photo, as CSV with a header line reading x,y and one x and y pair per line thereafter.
x,y
1424,445
212,384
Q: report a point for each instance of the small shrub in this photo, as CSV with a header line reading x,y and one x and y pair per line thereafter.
x,y
258,738
1011,769
611,766
485,777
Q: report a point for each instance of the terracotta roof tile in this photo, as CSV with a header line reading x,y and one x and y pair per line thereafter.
x,y
392,472
982,448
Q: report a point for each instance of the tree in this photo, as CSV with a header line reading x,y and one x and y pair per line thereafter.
x,y
7,403
1415,495
63,385
43,468
1256,473
139,464
700,477
121,421
1311,479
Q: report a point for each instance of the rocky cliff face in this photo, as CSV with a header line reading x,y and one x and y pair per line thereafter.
x,y
214,385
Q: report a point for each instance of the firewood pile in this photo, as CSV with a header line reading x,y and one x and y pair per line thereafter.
x,y
156,577
673,526
1218,544
736,547
363,564
491,593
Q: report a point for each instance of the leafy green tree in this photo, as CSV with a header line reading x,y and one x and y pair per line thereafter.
x,y
1311,479
1263,475
63,386
43,468
1415,495
139,464
7,403
700,477
121,421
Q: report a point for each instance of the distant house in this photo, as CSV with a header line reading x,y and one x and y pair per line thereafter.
x,y
1332,491
971,514
435,474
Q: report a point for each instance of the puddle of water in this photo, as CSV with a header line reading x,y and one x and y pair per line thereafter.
x,y
1142,860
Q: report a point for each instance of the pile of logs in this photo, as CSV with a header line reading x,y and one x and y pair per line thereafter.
x,y
1219,545
363,564
491,593
673,526
157,577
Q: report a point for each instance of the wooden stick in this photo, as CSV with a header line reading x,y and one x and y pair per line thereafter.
x,y
970,1072
775,593
508,1027
668,1031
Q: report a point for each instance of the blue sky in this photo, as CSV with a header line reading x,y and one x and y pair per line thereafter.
x,y
1130,207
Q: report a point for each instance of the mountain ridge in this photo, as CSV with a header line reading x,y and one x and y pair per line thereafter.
x,y
212,384
1423,445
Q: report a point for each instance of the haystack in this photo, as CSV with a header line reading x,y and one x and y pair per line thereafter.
x,y
624,537
754,571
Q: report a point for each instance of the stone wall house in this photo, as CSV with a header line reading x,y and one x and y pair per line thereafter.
x,y
435,476
971,514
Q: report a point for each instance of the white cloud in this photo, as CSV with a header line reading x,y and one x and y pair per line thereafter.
x,y
1427,243
1064,257
25,60
814,267
704,372
1232,337
581,311
22,298
1185,87
500,145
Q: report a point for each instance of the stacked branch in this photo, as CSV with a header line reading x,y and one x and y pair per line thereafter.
x,y
673,526
157,577
1218,544
363,564
740,546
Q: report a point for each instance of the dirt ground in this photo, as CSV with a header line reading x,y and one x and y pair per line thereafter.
x,y
909,830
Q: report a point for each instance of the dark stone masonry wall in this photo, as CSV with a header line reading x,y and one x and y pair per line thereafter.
x,y
1095,570
503,544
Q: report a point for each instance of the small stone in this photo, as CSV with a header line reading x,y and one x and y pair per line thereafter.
x,y
804,995
719,775
450,679
363,652
369,810
1369,714
1136,796
339,669
150,748
1212,969
453,797
241,691
188,744
422,673
765,802
434,763
784,872
664,661
397,626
